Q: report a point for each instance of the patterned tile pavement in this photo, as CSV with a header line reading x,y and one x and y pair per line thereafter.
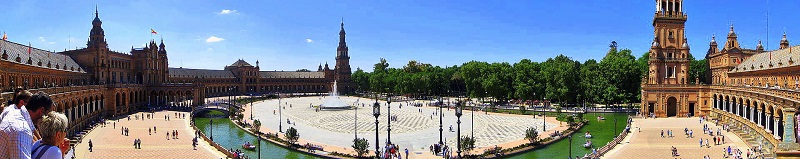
x,y
109,143
649,144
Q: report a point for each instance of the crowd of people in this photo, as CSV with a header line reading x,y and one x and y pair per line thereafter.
x,y
29,128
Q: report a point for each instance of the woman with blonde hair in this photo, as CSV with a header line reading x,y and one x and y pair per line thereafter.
x,y
53,128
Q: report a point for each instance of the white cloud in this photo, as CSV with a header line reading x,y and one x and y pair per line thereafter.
x,y
214,39
43,40
210,49
227,11
309,41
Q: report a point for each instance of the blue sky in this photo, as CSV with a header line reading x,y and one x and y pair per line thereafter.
x,y
289,35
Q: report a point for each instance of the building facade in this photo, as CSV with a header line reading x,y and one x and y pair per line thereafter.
x,y
93,82
755,91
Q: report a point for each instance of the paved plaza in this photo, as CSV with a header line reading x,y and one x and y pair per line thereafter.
x,y
415,128
649,144
108,141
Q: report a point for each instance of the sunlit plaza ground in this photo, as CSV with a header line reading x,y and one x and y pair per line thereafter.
x,y
413,129
649,144
108,141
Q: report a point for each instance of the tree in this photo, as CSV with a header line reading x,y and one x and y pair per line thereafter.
x,y
361,79
381,66
570,120
467,143
522,109
698,69
623,75
561,79
257,126
303,70
291,135
532,135
361,146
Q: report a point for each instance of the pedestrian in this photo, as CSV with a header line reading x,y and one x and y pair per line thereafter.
x,y
115,125
90,145
723,139
149,132
406,152
167,135
662,133
701,142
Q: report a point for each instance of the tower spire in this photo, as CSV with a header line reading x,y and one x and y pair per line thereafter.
x,y
96,13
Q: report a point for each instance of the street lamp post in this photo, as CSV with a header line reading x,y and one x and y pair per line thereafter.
x,y
544,116
280,113
570,145
376,111
389,121
355,122
440,121
211,122
458,122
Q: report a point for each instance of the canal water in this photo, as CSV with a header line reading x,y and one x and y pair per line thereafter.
x,y
228,135
602,132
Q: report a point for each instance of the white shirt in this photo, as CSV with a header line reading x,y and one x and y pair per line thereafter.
x,y
6,110
16,132
50,153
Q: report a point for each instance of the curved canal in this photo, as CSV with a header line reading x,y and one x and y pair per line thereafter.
x,y
228,135
602,132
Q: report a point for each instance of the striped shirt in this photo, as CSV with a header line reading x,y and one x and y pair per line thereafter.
x,y
16,132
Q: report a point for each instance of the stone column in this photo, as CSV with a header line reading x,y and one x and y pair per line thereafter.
x,y
724,105
789,139
751,110
775,126
758,117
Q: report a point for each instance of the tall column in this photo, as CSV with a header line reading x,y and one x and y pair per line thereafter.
x,y
789,137
758,117
725,105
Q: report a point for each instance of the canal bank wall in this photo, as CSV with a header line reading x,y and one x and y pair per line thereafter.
x,y
529,148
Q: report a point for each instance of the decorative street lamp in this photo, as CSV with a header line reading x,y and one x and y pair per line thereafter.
x,y
544,116
458,122
570,145
440,121
389,121
251,107
280,113
211,121
376,111
355,122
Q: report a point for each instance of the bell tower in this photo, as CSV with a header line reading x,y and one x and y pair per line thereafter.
x,y
99,47
669,51
342,70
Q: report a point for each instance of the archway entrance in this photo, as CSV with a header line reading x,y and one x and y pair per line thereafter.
x,y
672,107
651,108
691,110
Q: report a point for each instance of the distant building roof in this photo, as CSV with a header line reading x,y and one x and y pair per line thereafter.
x,y
769,60
38,57
199,73
241,63
291,74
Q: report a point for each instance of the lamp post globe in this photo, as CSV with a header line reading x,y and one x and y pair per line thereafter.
x,y
376,111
